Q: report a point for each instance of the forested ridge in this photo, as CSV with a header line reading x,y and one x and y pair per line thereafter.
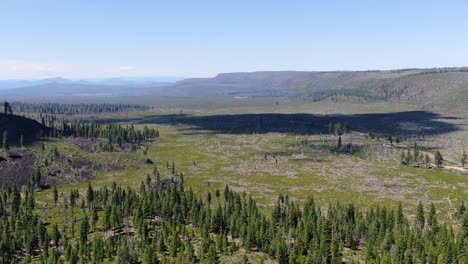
x,y
55,123
72,109
53,127
164,222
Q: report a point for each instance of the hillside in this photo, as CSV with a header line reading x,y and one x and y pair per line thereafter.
x,y
55,89
59,87
425,87
18,125
290,84
413,85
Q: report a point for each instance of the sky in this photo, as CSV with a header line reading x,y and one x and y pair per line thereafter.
x,y
92,39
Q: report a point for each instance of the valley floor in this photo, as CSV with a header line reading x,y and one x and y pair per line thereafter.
x,y
218,146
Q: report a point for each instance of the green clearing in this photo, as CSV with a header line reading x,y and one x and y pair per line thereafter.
x,y
263,165
210,160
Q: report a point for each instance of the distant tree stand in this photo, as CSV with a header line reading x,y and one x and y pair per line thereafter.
x,y
438,159
7,108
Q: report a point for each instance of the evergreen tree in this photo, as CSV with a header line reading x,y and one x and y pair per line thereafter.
x,y
463,159
84,230
56,196
335,252
37,177
427,161
438,159
432,217
167,221
94,218
90,195
420,219
5,140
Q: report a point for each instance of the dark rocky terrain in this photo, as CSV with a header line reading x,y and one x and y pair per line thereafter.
x,y
18,125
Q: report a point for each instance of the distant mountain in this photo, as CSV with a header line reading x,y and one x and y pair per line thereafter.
x,y
117,81
54,87
422,86
11,84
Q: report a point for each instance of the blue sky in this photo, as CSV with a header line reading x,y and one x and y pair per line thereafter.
x,y
83,39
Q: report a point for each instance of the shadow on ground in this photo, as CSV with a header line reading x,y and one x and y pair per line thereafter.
x,y
402,123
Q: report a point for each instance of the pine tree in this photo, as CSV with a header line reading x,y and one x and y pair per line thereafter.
x,y
98,250
291,235
420,219
400,216
438,159
335,252
432,218
403,158
416,151
212,255
37,177
463,159
245,259
84,230
427,161
94,218
90,195
281,250
55,235
409,157
461,209
5,140
55,196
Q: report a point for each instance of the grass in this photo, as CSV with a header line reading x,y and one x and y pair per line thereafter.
x,y
210,161
297,165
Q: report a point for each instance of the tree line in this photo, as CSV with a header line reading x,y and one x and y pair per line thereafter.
x,y
110,134
73,109
164,222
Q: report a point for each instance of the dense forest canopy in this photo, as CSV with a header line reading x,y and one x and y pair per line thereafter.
x,y
164,222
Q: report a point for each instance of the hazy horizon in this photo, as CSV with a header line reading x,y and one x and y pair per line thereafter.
x,y
178,78
86,39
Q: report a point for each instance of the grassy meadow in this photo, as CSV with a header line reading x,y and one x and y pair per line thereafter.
x,y
296,162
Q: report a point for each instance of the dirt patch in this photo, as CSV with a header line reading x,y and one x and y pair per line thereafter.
x,y
94,145
18,170
85,144
15,156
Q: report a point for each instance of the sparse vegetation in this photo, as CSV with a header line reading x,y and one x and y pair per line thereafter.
x,y
263,155
121,142
74,109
